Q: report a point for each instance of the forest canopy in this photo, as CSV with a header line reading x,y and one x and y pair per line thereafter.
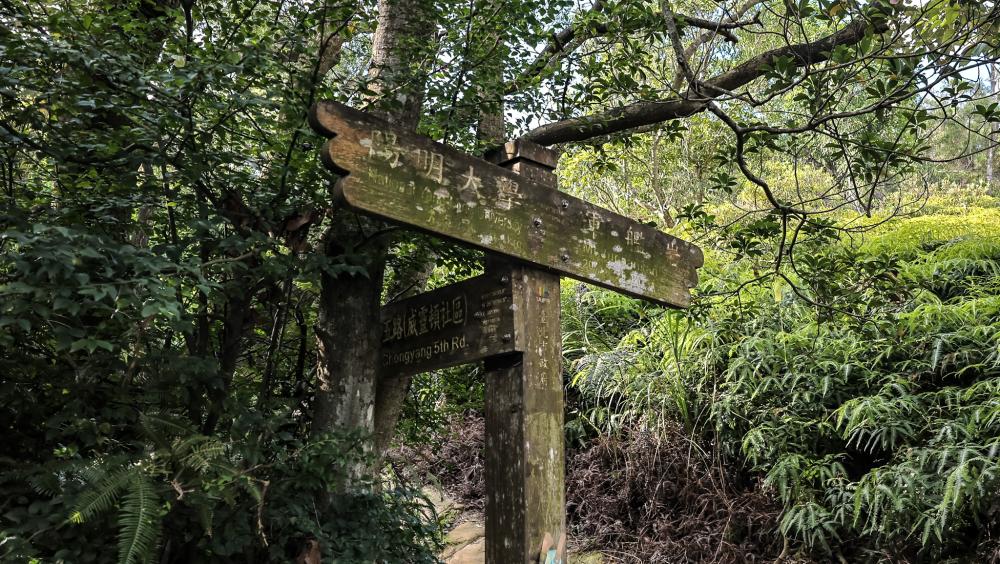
x,y
189,316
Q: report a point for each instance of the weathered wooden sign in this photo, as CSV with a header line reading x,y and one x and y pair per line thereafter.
x,y
508,317
412,180
457,324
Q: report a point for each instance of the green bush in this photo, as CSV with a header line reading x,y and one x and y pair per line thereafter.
x,y
874,417
108,453
195,498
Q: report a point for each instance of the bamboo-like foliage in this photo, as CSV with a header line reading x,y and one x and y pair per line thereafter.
x,y
879,424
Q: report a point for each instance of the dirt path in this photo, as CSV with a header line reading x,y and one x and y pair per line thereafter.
x,y
465,542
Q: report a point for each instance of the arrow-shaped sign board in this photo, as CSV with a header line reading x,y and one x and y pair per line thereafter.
x,y
412,180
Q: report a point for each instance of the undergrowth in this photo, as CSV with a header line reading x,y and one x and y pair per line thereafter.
x,y
875,421
643,495
250,499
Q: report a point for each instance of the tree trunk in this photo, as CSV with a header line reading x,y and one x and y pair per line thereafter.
x,y
348,335
488,77
392,387
235,321
348,331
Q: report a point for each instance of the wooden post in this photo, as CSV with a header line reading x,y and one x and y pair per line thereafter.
x,y
525,457
517,213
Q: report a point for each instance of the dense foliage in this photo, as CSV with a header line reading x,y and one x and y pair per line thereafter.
x,y
173,257
154,320
872,416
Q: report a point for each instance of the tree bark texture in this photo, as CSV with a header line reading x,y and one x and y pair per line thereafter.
x,y
348,330
392,386
994,128
348,337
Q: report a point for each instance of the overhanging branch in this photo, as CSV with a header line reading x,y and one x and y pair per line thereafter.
x,y
564,42
651,112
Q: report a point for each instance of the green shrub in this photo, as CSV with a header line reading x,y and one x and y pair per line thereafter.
x,y
911,237
875,421
194,498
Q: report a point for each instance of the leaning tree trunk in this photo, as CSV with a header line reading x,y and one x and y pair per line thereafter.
x,y
393,387
348,330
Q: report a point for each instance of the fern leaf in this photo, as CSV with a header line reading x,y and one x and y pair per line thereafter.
x,y
161,428
201,456
45,483
138,522
103,494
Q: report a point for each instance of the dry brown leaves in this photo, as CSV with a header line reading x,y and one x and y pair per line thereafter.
x,y
651,497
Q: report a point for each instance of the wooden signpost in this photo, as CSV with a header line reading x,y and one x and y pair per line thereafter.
x,y
409,179
508,206
458,324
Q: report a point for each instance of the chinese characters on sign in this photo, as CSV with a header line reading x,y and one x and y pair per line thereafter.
x,y
507,192
423,319
408,179
453,325
385,146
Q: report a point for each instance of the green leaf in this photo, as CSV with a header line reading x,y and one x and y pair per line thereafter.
x,y
138,522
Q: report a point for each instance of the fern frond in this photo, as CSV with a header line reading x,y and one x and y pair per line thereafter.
x,y
103,494
45,483
138,522
161,428
202,456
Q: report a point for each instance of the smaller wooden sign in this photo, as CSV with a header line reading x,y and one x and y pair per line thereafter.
x,y
464,322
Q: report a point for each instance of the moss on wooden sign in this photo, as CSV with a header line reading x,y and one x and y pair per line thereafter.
x,y
409,179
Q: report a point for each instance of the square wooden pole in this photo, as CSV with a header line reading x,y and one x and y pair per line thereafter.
x,y
525,456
